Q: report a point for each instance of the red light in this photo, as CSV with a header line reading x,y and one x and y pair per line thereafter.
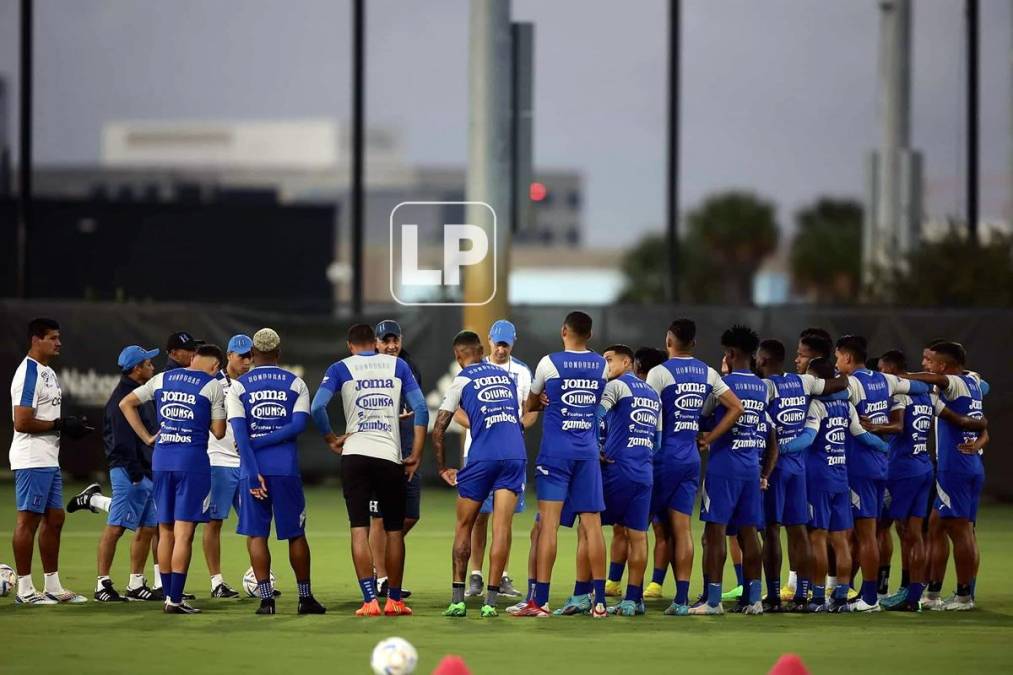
x,y
537,192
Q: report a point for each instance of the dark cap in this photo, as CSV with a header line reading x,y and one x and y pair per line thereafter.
x,y
387,327
183,340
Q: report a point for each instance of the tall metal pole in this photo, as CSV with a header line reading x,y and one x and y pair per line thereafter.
x,y
972,120
358,145
25,151
674,48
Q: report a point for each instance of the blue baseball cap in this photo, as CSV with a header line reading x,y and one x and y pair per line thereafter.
x,y
503,331
387,327
240,344
134,355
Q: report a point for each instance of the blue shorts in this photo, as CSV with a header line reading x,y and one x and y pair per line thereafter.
x,y
224,491
37,490
477,480
182,495
131,506
413,500
285,502
830,511
675,488
784,500
627,504
574,481
957,495
866,497
732,501
909,496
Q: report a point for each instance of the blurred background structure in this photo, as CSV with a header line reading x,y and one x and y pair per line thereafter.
x,y
795,162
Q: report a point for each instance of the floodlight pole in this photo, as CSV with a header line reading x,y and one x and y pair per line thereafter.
x,y
972,25
25,152
674,48
358,151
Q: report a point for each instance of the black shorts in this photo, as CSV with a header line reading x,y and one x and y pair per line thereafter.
x,y
366,478
413,500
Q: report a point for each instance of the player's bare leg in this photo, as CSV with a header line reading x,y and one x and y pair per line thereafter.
x,y
799,552
682,548
24,541
662,560
49,539
260,561
772,560
752,567
842,554
479,535
818,568
106,551
139,548
636,556
467,514
590,525
378,547
617,560
502,524
868,562
961,533
212,544
714,555
885,540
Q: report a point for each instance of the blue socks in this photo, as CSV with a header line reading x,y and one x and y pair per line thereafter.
x,y
755,589
802,590
304,588
616,571
634,593
166,582
264,589
582,588
738,575
974,582
841,592
541,593
394,593
658,577
713,594
681,592
774,589
599,591
820,594
914,592
368,589
177,581
869,592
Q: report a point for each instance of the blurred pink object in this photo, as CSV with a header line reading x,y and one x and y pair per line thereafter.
x,y
455,665
789,664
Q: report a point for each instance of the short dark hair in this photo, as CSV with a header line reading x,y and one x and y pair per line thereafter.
x,y
855,345
467,338
212,350
818,345
360,334
742,338
872,363
774,349
579,323
896,357
37,328
952,350
619,349
646,358
683,330
816,332
822,368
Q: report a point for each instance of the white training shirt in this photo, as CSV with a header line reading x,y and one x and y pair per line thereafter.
x,y
521,375
223,451
35,386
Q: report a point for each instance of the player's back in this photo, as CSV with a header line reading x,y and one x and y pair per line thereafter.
x,y
183,400
490,401
736,454
270,396
963,397
826,459
909,450
870,394
789,404
683,384
574,383
631,424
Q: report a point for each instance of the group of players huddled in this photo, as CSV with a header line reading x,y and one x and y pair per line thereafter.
x,y
835,452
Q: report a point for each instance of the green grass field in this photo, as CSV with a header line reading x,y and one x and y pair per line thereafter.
x,y
227,637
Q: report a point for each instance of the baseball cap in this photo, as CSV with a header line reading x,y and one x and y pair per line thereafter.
x,y
240,344
388,327
134,355
503,331
266,340
183,340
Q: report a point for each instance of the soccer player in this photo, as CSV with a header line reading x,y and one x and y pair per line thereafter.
x,y
684,383
736,474
224,457
131,506
870,392
784,500
497,462
35,460
829,421
568,467
630,409
268,407
372,387
502,338
960,471
190,405
389,341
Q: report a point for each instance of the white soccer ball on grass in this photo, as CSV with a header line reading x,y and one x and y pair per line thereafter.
x,y
250,582
394,656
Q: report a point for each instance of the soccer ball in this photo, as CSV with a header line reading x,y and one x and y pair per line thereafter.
x,y
394,656
250,582
8,580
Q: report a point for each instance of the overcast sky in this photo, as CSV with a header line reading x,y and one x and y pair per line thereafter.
x,y
779,96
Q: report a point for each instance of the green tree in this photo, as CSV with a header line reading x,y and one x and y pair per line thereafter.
x,y
645,267
825,258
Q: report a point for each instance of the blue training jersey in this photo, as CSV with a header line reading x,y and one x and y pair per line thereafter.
x,y
488,396
683,383
909,450
826,462
574,383
736,454
267,398
790,395
871,394
631,422
186,402
962,396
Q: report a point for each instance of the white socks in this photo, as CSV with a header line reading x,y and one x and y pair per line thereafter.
x,y
216,581
53,584
136,581
157,581
100,502
98,583
831,583
478,572
792,581
25,586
